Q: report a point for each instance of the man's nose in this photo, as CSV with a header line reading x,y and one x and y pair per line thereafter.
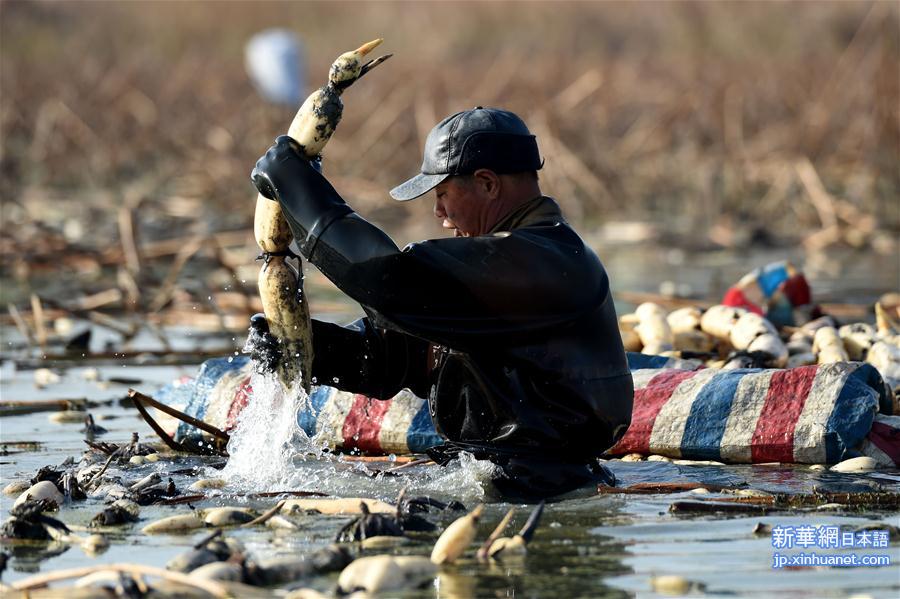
x,y
439,209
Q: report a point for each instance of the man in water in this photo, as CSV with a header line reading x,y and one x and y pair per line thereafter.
x,y
508,328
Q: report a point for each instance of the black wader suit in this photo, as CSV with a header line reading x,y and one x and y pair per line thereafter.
x,y
511,336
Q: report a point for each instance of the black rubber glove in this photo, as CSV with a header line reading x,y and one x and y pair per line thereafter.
x,y
310,202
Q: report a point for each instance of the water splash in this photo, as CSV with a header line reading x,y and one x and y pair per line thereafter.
x,y
270,452
267,437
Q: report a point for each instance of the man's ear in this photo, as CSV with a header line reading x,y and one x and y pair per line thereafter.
x,y
488,182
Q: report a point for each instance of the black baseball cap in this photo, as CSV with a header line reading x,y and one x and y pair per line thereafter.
x,y
489,138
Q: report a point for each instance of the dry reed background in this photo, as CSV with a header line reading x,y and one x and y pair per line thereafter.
x,y
126,124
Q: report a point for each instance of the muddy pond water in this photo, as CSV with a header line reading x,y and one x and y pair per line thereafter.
x,y
588,545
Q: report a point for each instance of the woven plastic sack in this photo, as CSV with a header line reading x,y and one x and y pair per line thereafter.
x,y
809,415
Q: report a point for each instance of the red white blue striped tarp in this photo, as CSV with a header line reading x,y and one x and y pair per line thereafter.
x,y
811,414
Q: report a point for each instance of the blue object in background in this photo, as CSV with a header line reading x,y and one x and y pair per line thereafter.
x,y
275,61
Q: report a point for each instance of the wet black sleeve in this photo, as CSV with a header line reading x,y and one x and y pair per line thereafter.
x,y
362,358
461,292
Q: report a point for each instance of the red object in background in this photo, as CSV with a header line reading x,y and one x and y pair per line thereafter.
x,y
240,401
797,290
735,298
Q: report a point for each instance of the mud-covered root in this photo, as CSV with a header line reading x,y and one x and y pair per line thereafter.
x,y
121,511
860,464
770,344
95,544
887,314
42,490
858,338
456,539
148,481
653,329
757,337
287,316
505,547
368,525
675,585
383,542
16,487
28,521
482,553
220,571
385,573
214,547
685,319
828,347
719,320
306,594
134,571
337,506
207,483
179,524
290,569
228,516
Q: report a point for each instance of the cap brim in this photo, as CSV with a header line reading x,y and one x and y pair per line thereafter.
x,y
417,186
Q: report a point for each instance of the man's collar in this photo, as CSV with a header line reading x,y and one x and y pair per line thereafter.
x,y
541,210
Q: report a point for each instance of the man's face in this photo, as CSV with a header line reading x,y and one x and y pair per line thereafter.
x,y
462,207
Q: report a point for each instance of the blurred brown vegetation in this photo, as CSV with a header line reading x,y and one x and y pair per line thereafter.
x,y
729,123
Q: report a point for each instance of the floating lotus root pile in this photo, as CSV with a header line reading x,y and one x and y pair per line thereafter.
x,y
734,337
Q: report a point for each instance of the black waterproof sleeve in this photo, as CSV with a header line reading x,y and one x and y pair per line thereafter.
x,y
362,358
457,292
